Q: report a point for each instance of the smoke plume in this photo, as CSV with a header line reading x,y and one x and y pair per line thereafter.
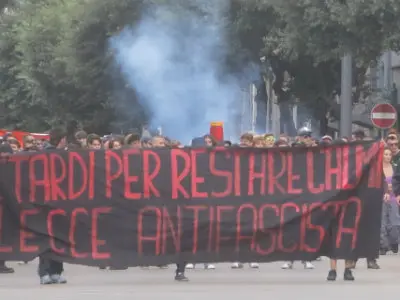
x,y
174,60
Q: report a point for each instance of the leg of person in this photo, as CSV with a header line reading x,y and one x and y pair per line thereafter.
x,y
180,272
352,263
384,237
254,265
372,264
308,265
4,269
287,265
332,272
237,265
56,270
393,230
348,274
43,271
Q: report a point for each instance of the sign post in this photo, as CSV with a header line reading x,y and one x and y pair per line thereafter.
x,y
383,116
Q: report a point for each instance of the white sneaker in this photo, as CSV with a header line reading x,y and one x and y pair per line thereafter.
x,y
190,266
209,267
287,266
237,265
254,265
308,265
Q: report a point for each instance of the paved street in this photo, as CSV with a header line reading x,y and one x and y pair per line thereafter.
x,y
269,282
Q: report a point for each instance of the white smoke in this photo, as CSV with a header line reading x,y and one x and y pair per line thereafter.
x,y
174,61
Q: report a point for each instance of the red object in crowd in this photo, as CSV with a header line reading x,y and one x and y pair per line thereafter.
x,y
217,131
19,135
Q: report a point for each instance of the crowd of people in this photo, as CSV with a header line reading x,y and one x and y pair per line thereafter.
x,y
50,272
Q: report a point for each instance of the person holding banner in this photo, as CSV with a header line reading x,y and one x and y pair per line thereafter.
x,y
159,141
50,271
5,150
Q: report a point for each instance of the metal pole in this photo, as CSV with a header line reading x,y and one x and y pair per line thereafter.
x,y
346,102
387,66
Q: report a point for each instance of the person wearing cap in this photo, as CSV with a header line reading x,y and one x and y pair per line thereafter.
x,y
326,140
80,137
304,136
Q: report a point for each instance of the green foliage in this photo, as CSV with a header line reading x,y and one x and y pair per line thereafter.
x,y
307,38
56,64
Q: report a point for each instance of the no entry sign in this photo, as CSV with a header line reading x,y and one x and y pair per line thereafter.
x,y
383,116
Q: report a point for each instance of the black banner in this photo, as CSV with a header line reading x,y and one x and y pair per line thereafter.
x,y
136,207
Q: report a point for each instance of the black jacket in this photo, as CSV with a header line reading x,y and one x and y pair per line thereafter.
x,y
395,181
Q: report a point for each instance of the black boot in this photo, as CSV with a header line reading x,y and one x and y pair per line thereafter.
x,y
4,269
331,275
181,277
348,275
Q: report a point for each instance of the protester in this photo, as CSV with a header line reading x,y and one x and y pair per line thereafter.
x,y
15,145
392,142
50,271
94,142
116,143
81,138
5,150
29,143
390,227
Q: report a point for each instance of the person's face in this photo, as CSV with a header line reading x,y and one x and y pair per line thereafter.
x,y
327,141
306,140
29,142
14,147
285,139
95,145
39,144
393,145
83,142
136,144
259,144
117,145
158,142
269,141
387,156
208,141
245,143
146,144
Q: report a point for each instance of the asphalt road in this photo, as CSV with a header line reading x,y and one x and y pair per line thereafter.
x,y
268,282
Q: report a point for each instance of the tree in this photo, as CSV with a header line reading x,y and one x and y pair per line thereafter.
x,y
307,38
57,58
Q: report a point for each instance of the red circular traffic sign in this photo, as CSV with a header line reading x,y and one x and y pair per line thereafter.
x,y
383,116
